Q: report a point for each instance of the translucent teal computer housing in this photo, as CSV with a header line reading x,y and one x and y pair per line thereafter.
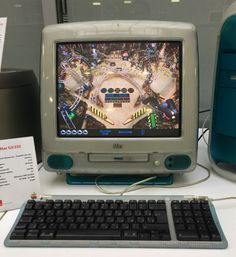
x,y
222,142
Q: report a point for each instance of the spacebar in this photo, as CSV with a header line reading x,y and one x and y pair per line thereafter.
x,y
88,235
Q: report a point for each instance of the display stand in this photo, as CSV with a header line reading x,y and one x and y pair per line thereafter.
x,y
74,179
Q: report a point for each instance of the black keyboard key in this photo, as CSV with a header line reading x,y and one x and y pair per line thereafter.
x,y
124,206
28,213
185,206
187,214
205,206
180,227
83,226
177,214
191,227
133,206
59,219
66,206
130,235
141,220
98,213
104,226
70,219
165,236
160,216
26,220
50,213
189,220
155,236
38,206
150,220
108,213
204,236
151,227
109,201
42,226
187,235
201,227
50,219
118,213
110,219
88,235
89,219
215,237
142,206
18,234
93,226
57,206
53,226
75,206
47,234
197,214
178,220
58,201
120,219
48,206
135,226
32,226
124,226
94,206
31,201
144,236
21,226
176,206
62,226
70,201
70,213
30,205
40,213
73,226
128,213
196,206
32,234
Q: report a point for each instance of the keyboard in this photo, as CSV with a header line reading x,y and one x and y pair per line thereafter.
x,y
117,221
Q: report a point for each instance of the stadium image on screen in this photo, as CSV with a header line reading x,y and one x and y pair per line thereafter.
x,y
119,89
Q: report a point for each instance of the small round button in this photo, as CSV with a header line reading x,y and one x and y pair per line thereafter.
x,y
157,163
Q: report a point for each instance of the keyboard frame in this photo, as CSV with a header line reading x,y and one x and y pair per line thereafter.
x,y
173,243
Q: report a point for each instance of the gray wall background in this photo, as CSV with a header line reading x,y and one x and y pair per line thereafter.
x,y
23,33
26,19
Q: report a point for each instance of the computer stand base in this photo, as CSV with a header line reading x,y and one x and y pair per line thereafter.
x,y
75,179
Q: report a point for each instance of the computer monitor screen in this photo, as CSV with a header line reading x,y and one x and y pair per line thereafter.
x,y
119,97
125,89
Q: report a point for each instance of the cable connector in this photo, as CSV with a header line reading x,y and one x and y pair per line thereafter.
x,y
201,197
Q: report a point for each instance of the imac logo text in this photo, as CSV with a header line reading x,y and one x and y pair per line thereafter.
x,y
117,146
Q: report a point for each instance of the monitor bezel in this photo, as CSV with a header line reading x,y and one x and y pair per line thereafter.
x,y
120,31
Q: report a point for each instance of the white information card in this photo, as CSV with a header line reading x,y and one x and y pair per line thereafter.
x,y
19,179
3,24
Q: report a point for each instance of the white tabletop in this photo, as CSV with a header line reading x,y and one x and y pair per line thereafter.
x,y
214,187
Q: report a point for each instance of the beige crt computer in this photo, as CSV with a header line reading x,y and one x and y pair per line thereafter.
x,y
119,97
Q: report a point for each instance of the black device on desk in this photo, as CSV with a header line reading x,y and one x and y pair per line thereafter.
x,y
20,111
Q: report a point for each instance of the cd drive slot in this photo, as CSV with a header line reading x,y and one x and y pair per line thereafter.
x,y
118,157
